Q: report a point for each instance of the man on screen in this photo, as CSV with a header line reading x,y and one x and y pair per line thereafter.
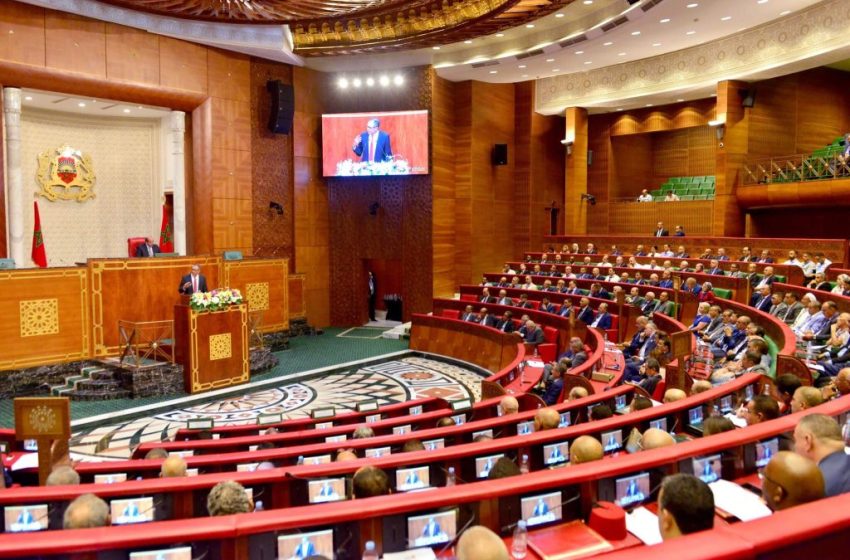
x,y
374,144
432,529
304,549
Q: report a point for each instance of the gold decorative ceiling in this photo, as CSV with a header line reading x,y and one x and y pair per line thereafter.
x,y
329,27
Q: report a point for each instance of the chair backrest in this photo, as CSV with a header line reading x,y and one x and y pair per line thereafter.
x,y
550,334
132,244
468,297
451,313
658,393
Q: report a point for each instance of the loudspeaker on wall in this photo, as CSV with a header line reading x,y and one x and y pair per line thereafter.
x,y
500,154
282,106
749,98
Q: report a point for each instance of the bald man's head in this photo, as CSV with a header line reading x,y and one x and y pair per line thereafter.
x,y
654,438
673,395
791,480
546,419
577,393
174,466
480,543
700,386
805,398
842,381
509,405
585,449
85,512
346,455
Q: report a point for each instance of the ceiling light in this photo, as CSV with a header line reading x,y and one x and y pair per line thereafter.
x,y
550,60
607,43
691,32
579,52
436,48
356,82
679,100
556,69
525,75
467,42
126,110
384,81
398,80
494,71
140,107
81,104
521,66
28,98
530,26
619,108
370,81
342,83
649,104
665,20
692,5
588,62
500,34
588,2
621,54
761,2
785,12
656,44
559,15
635,33
725,18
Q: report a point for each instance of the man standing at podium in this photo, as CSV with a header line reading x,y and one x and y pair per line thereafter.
x,y
147,249
193,282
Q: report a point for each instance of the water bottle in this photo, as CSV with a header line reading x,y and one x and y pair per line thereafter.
x,y
258,505
370,553
451,479
300,460
523,467
519,546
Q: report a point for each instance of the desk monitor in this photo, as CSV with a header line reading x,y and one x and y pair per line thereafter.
x,y
180,553
484,464
749,393
200,424
4,446
556,453
247,467
336,439
620,403
326,490
322,413
726,404
183,454
631,490
21,519
368,406
401,430
461,404
431,529
378,452
695,417
565,420
303,545
459,419
133,510
110,478
253,448
372,418
30,445
192,472
612,441
412,479
765,450
323,425
708,468
525,428
250,493
266,419
659,423
317,460
488,432
543,508
415,410
433,444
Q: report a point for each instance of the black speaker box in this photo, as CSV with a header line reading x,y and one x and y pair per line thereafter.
x,y
282,106
748,98
500,154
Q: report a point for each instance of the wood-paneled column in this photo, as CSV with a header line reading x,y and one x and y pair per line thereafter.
x,y
727,219
575,209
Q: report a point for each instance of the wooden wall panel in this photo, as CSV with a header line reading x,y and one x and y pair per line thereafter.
x,y
75,44
668,117
59,332
523,166
576,218
199,212
443,187
599,141
132,55
22,34
641,218
271,168
825,223
273,302
231,173
632,162
4,250
463,181
229,75
728,220
182,65
232,225
546,176
296,293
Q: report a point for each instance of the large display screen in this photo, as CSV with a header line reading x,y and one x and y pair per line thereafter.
x,y
379,143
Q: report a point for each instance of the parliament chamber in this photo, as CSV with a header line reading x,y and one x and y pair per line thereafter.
x,y
309,279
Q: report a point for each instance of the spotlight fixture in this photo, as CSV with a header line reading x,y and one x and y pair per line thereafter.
x,y
398,80
356,82
370,81
589,198
384,81
343,83
373,209
276,207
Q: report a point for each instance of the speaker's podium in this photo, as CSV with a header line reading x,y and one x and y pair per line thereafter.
x,y
212,346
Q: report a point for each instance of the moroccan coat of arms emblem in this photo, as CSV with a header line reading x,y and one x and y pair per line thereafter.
x,y
65,174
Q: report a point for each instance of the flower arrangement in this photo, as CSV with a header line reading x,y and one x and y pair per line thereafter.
x,y
215,300
395,166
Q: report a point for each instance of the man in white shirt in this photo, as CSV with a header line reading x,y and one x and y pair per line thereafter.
x,y
645,196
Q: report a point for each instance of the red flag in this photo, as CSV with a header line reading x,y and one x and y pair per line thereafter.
x,y
166,239
39,255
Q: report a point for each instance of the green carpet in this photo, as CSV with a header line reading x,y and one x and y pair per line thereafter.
x,y
305,353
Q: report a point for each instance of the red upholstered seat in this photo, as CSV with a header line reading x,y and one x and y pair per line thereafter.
x,y
534,304
468,297
451,313
550,334
132,244
658,394
547,352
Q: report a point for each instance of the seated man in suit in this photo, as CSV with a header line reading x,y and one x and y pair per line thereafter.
x,y
746,255
733,335
547,306
767,277
792,308
488,319
761,299
597,291
660,231
714,268
193,282
507,322
147,249
649,305
603,318
504,299
555,386
533,334
585,312
721,254
651,372
765,257
665,306
486,297
470,315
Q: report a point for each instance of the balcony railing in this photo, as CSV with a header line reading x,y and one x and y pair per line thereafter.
x,y
796,168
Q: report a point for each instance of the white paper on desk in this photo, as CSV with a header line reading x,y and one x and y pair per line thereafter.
x,y
415,554
741,503
643,524
738,422
535,363
26,461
